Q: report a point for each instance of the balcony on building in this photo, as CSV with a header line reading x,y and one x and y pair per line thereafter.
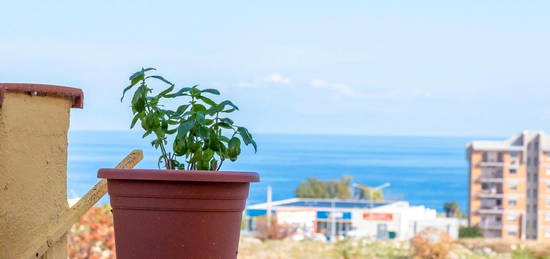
x,y
492,159
491,164
492,210
490,194
490,225
491,206
491,175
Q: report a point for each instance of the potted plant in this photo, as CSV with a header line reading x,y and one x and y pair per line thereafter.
x,y
190,209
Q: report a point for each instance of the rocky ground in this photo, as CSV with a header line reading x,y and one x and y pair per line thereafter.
x,y
93,238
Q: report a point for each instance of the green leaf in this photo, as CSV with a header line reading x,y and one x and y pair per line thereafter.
x,y
181,109
208,154
212,91
181,92
204,133
168,113
161,79
221,106
226,102
167,90
125,90
138,74
207,101
195,92
148,69
234,148
224,125
227,120
138,101
180,146
152,121
254,145
244,134
201,119
147,133
138,116
185,127
247,137
229,110
197,107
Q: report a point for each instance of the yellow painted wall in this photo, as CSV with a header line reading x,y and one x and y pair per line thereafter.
x,y
33,165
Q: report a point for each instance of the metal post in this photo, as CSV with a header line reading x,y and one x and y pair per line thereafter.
x,y
268,212
333,221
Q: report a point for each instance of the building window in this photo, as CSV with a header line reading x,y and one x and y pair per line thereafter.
x,y
514,154
512,202
512,233
513,170
548,186
492,156
548,202
547,217
548,171
512,217
513,186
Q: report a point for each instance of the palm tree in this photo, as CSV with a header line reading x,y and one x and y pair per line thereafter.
x,y
451,209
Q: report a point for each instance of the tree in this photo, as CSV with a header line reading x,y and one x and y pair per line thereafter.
x,y
314,188
368,193
451,210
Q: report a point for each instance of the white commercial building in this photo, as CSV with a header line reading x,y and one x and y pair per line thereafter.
x,y
353,218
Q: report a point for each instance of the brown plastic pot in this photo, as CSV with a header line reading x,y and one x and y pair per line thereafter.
x,y
177,214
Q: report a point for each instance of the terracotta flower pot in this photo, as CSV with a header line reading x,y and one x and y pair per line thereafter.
x,y
177,214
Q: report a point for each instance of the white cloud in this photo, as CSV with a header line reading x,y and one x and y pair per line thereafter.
x,y
338,88
245,84
277,78
318,83
273,78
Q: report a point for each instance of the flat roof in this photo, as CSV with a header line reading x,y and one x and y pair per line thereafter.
x,y
336,204
323,203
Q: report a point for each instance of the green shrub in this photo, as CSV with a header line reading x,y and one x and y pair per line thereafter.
x,y
469,232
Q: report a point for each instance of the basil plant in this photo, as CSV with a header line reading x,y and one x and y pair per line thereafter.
x,y
197,135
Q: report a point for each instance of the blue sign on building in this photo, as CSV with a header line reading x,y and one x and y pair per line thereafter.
x,y
335,215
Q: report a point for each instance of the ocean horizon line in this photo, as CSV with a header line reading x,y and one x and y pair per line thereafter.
x,y
327,134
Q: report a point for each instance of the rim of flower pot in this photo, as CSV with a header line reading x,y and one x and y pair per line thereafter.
x,y
177,175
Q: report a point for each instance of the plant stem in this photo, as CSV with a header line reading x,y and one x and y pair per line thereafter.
x,y
221,163
167,162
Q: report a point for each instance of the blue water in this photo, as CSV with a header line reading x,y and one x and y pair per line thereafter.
x,y
422,170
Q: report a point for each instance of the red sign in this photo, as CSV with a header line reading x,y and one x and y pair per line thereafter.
x,y
378,216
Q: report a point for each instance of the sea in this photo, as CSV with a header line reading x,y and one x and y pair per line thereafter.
x,y
426,171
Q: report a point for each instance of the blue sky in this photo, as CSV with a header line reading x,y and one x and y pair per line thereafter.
x,y
466,68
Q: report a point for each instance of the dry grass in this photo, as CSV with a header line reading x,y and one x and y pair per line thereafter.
x,y
348,249
93,238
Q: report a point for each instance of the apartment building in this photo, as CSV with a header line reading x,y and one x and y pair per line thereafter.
x,y
509,188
